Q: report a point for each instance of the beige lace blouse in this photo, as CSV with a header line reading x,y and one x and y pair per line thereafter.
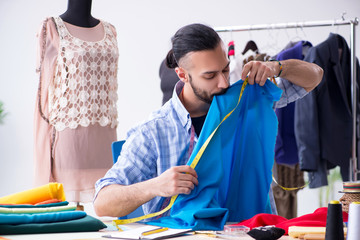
x,y
75,115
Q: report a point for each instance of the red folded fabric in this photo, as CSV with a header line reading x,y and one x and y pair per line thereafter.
x,y
315,219
262,219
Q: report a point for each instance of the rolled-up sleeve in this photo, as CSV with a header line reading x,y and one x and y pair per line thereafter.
x,y
136,163
291,93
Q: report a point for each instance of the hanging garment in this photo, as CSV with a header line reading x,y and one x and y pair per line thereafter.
x,y
234,171
168,79
323,118
285,147
237,62
286,153
286,200
75,115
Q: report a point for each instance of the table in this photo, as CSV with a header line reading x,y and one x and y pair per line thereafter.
x,y
98,235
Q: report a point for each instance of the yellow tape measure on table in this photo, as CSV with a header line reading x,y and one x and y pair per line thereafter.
x,y
193,165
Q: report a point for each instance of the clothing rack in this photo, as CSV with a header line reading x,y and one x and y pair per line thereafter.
x,y
327,23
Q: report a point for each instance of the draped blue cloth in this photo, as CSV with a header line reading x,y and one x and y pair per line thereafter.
x,y
234,171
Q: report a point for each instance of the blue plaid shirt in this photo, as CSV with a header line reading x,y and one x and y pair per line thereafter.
x,y
163,141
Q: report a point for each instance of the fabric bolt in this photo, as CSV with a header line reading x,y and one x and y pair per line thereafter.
x,y
40,217
62,203
50,201
75,112
36,195
85,224
323,118
36,210
230,188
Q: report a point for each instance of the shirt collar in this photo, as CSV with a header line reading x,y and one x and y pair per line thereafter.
x,y
181,111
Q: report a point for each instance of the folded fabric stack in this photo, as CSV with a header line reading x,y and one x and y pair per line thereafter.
x,y
43,210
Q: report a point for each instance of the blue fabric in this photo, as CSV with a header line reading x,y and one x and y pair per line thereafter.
x,y
286,151
40,217
234,171
162,142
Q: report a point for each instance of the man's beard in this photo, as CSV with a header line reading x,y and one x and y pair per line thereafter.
x,y
202,95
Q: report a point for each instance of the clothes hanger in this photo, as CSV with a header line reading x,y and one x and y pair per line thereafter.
x,y
297,37
250,45
342,18
271,47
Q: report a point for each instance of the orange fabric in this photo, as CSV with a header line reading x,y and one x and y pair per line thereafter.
x,y
54,200
36,195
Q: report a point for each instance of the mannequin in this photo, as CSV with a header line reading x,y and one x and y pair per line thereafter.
x,y
75,114
78,13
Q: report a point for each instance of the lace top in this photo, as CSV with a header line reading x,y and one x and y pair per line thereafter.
x,y
84,89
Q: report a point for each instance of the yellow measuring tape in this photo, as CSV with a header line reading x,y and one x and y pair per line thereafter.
x,y
286,188
193,165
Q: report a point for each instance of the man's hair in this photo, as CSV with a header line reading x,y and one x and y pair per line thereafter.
x,y
191,38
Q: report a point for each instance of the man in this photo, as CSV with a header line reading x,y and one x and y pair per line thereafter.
x,y
151,166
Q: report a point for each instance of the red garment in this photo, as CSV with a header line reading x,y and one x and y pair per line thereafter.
x,y
315,219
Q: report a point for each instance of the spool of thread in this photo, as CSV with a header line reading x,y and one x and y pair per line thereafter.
x,y
334,222
353,232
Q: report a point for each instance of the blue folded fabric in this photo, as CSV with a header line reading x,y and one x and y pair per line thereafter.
x,y
40,217
234,171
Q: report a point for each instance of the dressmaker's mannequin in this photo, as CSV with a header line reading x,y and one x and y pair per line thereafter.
x,y
78,13
77,60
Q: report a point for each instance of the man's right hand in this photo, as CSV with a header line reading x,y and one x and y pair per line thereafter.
x,y
176,180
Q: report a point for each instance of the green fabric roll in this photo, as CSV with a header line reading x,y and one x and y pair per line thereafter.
x,y
85,224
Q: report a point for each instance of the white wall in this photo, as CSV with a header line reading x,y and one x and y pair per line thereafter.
x,y
144,29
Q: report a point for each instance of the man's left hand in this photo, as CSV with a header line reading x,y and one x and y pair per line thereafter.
x,y
259,72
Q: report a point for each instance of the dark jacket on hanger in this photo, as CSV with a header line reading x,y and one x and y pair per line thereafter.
x,y
323,118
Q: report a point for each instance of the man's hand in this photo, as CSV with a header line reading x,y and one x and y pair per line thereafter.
x,y
304,74
176,180
259,72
